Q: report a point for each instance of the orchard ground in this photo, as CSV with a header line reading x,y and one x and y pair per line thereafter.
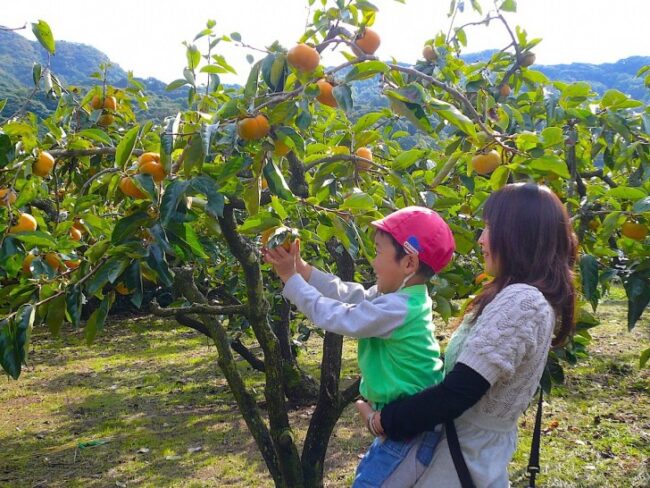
x,y
146,406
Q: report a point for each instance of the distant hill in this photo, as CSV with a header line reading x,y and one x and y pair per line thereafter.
x,y
620,75
74,63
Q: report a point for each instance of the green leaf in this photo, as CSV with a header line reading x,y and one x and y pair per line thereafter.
x,y
176,84
73,303
637,288
453,115
174,192
127,226
252,196
132,278
277,185
55,315
626,193
407,158
499,177
145,183
253,78
552,136
509,6
443,307
207,133
37,71
589,278
158,263
14,339
278,207
184,235
96,320
107,273
167,141
412,111
367,120
193,56
97,250
208,187
275,71
44,35
194,155
610,223
365,5
291,138
96,135
36,238
551,164
641,206
343,95
6,150
358,201
257,223
615,100
461,36
125,147
366,70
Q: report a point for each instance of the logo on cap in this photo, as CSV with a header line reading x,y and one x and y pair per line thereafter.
x,y
412,245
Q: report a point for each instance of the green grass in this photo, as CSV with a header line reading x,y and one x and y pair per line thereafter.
x,y
152,390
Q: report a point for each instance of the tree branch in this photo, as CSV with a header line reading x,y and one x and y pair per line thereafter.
x,y
599,173
75,153
446,169
247,255
351,392
96,176
458,96
345,157
256,363
184,281
201,309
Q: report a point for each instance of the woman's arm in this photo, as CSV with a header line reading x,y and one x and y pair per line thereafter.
x,y
462,388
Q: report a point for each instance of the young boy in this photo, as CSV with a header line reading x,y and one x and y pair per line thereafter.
x,y
398,354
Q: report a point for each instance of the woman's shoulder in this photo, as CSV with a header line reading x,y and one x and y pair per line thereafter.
x,y
521,296
520,291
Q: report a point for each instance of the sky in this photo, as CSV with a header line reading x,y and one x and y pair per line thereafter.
x,y
146,36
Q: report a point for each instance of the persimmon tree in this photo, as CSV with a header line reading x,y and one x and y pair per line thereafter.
x,y
96,203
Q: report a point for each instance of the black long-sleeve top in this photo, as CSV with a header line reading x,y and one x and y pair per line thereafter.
x,y
462,388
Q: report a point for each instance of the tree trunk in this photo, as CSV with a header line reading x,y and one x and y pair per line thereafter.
x,y
286,450
330,403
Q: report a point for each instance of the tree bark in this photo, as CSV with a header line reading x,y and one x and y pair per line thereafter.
x,y
184,281
330,403
283,439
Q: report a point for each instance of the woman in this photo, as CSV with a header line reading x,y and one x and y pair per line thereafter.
x,y
496,357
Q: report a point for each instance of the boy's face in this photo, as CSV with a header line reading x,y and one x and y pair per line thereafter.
x,y
390,272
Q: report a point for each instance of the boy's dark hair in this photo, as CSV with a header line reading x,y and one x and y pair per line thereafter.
x,y
424,270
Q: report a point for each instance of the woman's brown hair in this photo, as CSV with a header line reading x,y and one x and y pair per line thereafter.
x,y
532,242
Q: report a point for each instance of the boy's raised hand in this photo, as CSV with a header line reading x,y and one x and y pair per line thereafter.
x,y
283,262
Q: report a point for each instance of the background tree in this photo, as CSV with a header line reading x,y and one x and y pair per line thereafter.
x,y
97,205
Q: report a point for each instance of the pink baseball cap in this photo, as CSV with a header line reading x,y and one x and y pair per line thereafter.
x,y
421,231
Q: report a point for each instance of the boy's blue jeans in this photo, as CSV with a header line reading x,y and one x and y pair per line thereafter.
x,y
395,464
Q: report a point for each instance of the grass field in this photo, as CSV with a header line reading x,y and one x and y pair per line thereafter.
x,y
147,406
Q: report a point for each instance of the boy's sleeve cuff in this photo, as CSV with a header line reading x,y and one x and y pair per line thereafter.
x,y
292,287
318,278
